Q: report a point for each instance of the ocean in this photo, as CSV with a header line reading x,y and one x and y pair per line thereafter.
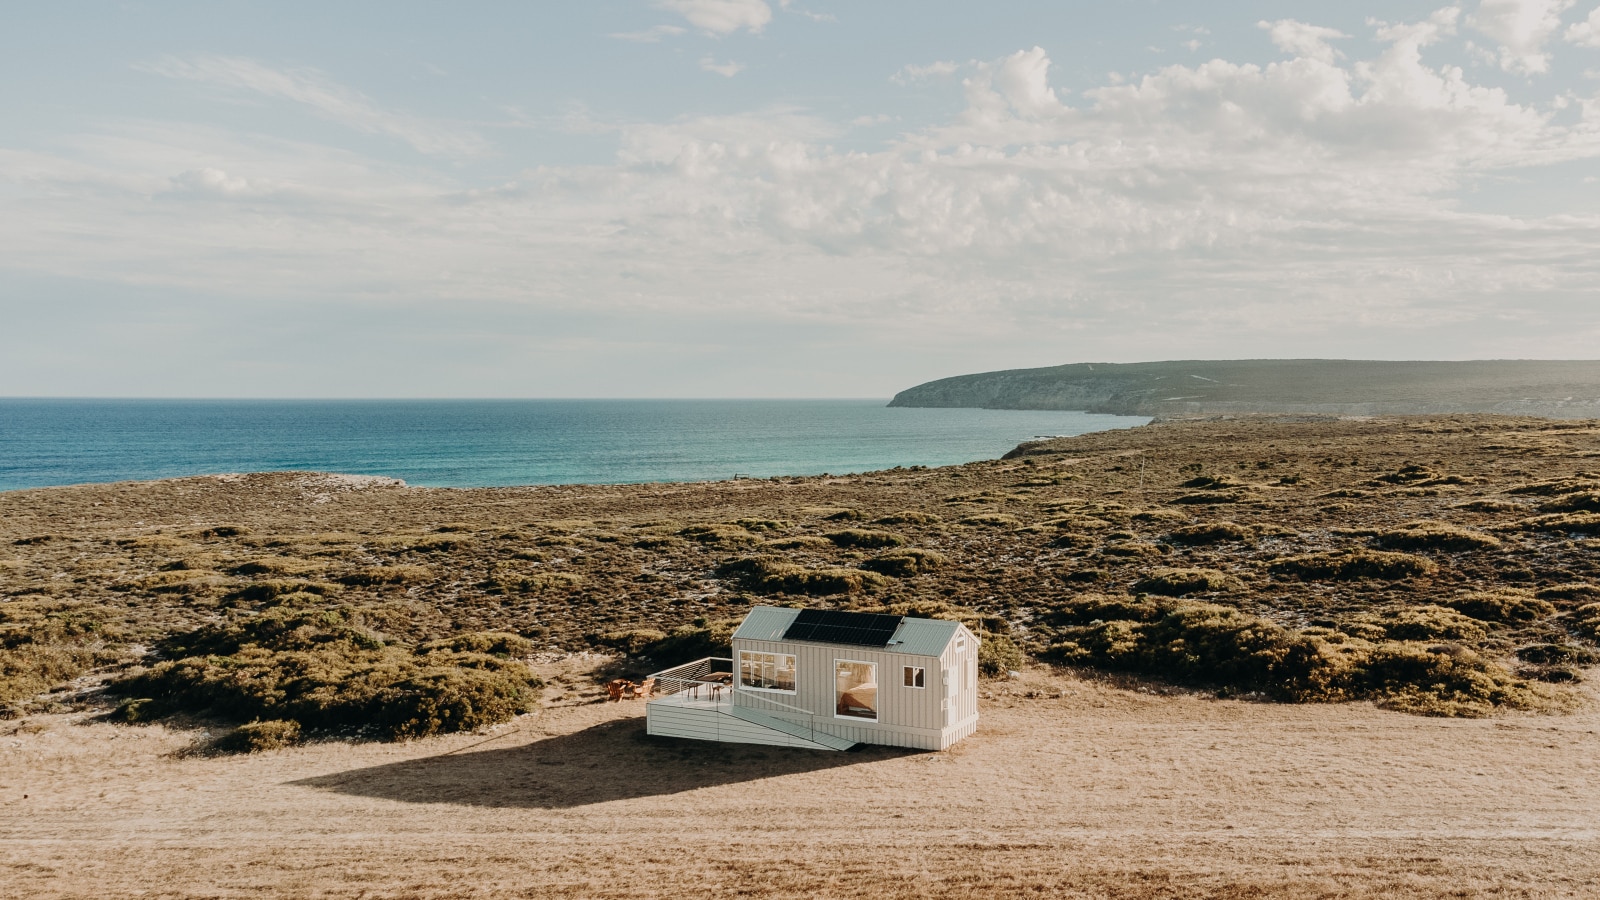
x,y
489,443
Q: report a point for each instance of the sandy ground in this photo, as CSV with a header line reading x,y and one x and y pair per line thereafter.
x,y
1071,788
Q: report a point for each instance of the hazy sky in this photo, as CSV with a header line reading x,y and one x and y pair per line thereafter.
x,y
765,198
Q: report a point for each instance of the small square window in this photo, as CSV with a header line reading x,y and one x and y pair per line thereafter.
x,y
916,677
961,642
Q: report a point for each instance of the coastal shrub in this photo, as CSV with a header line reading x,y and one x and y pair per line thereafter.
x,y
1354,564
1441,680
1566,523
1153,516
998,654
1179,582
279,565
323,669
632,641
1212,498
776,576
494,643
688,643
1586,621
1131,549
1487,505
1431,623
832,513
259,737
865,538
1570,592
909,517
992,520
720,535
1435,536
1558,654
374,576
1079,523
905,562
1214,482
657,542
513,582
1503,605
761,524
267,591
801,542
1557,487
1581,501
1210,533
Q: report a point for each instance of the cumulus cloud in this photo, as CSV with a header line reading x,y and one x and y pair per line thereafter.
x,y
1587,32
326,98
1204,202
721,17
1301,39
1521,28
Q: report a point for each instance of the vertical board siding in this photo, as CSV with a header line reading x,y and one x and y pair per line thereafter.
x,y
907,717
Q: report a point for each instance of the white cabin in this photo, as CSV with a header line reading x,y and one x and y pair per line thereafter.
x,y
827,679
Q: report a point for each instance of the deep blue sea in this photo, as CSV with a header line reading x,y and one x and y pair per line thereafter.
x,y
483,443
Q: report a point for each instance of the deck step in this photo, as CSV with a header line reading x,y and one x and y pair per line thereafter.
x,y
756,717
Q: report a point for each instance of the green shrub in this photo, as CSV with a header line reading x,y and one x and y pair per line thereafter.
x,y
1441,681
258,737
267,591
1353,564
1505,605
691,642
761,524
1434,536
905,563
1180,582
1431,623
992,520
1566,523
998,654
323,670
493,643
1212,498
1586,621
768,575
802,542
1581,501
1210,533
909,517
633,641
1573,591
382,575
865,538
1558,654
720,535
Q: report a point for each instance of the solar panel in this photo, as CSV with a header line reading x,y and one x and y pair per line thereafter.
x,y
832,626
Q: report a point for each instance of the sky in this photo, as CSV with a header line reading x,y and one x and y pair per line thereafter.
x,y
781,198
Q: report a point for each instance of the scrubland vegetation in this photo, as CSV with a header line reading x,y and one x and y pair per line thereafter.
x,y
1444,565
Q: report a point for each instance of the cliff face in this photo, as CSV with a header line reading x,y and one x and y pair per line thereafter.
x,y
1553,388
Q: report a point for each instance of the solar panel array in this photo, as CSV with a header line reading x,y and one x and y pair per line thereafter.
x,y
831,626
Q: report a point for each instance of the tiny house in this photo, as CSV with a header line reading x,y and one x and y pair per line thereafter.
x,y
827,679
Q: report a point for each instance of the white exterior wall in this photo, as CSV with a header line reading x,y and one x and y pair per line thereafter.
x,y
907,717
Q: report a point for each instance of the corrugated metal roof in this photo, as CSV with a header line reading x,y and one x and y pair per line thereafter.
x,y
914,637
923,637
765,623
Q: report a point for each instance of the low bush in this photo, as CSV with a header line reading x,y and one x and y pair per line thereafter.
x,y
776,576
1180,582
905,562
762,524
992,520
801,542
1212,498
386,575
259,737
632,641
1353,564
279,565
1586,621
865,538
1565,523
691,642
909,517
1505,605
1210,533
998,654
493,643
1558,654
1431,623
513,582
1435,536
322,669
1581,501
1132,549
1572,591
720,535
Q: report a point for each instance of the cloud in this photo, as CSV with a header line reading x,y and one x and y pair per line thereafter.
x,y
726,70
911,74
1587,32
1216,207
649,35
1300,39
721,17
326,98
1521,28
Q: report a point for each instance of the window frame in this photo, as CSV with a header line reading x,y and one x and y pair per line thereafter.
x,y
918,682
794,670
877,703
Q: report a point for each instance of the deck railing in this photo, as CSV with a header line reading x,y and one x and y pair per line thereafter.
x,y
698,677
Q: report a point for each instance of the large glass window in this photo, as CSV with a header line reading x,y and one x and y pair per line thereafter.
x,y
767,671
855,689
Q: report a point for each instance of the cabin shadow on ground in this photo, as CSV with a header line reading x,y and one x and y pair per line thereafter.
x,y
611,761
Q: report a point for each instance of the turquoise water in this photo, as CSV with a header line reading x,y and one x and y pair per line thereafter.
x,y
485,443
